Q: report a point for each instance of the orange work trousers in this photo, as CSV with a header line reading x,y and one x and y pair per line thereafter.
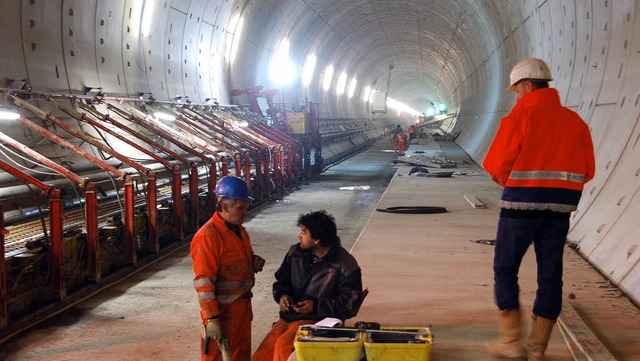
x,y
235,321
278,343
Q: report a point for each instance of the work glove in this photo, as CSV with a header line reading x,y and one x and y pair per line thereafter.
x,y
214,330
258,263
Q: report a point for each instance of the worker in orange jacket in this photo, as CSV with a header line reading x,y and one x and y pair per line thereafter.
x,y
224,267
400,142
542,155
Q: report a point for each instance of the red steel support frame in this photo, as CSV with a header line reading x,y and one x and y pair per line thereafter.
x,y
152,190
188,127
267,175
151,182
130,247
238,164
247,167
252,92
129,241
91,219
55,238
93,246
285,141
169,137
55,228
269,94
4,298
247,139
174,168
128,184
237,157
177,180
197,130
212,178
193,184
288,142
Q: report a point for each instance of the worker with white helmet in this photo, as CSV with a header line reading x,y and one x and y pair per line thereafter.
x,y
542,155
224,267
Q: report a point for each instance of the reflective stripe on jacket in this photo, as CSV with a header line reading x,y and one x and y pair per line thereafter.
x,y
222,264
541,144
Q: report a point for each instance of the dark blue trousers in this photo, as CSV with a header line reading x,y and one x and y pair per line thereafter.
x,y
512,241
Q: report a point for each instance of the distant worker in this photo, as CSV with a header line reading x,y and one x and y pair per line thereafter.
x,y
224,267
394,133
412,133
542,155
317,279
400,142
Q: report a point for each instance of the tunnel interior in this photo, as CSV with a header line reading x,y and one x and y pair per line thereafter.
x,y
420,54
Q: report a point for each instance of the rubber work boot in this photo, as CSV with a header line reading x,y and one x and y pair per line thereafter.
x,y
509,345
539,337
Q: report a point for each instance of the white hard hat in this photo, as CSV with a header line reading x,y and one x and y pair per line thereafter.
x,y
530,68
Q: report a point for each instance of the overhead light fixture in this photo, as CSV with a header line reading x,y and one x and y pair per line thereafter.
x,y
327,77
6,114
307,70
342,83
147,17
352,87
164,116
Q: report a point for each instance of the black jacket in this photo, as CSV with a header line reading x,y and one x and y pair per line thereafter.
x,y
333,282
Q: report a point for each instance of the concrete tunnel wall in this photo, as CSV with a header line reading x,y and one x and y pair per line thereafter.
x,y
204,48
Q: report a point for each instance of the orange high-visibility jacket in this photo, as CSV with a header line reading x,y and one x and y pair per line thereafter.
x,y
223,265
541,144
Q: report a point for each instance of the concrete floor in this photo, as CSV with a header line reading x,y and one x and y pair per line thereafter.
x,y
420,269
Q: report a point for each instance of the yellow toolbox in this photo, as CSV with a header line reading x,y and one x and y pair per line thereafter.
x,y
324,344
399,344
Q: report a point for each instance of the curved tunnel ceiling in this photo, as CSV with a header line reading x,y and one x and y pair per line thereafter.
x,y
428,44
457,51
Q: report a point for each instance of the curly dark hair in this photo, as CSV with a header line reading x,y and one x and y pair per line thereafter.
x,y
321,226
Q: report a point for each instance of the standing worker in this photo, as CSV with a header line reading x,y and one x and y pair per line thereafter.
x,y
400,142
224,267
394,136
318,278
542,155
412,133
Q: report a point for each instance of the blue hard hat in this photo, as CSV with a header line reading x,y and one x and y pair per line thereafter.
x,y
233,187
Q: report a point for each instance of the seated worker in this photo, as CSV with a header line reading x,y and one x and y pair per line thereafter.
x,y
318,278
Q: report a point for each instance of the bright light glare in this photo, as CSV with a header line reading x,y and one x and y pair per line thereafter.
x,y
342,83
233,38
164,116
8,115
307,70
147,17
352,87
401,107
283,70
430,112
366,94
236,40
327,78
